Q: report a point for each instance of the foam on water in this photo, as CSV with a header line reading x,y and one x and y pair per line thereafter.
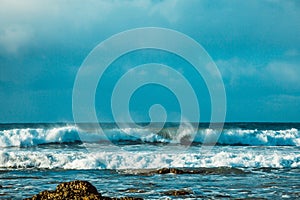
x,y
32,136
145,160
288,137
26,137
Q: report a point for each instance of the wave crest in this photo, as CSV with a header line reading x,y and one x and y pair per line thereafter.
x,y
144,160
26,137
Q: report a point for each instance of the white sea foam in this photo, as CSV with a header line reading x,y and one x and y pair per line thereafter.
x,y
67,134
288,137
144,160
31,137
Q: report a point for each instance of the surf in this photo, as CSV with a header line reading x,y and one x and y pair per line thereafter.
x,y
170,134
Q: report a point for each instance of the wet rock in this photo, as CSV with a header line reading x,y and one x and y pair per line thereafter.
x,y
133,190
169,170
77,190
218,170
178,192
204,171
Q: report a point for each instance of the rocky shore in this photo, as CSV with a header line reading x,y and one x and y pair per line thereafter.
x,y
77,190
83,190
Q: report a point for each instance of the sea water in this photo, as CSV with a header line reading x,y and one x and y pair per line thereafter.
x,y
242,160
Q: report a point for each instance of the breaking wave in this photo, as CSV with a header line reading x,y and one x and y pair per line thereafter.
x,y
27,137
144,160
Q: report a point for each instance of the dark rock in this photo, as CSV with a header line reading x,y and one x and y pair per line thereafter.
x,y
204,171
178,192
77,190
218,170
169,170
70,190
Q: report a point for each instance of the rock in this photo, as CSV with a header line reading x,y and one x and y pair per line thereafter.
x,y
134,190
169,170
204,171
74,190
77,190
178,192
217,170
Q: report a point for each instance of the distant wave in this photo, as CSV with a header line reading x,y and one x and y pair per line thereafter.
x,y
35,136
144,160
27,137
288,137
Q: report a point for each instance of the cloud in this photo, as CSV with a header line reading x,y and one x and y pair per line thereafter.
x,y
229,27
278,74
292,53
13,38
257,52
171,14
283,74
73,23
235,70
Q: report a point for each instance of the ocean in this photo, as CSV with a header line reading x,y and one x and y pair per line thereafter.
x,y
242,160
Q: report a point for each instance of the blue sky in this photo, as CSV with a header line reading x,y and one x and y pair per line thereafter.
x,y
255,44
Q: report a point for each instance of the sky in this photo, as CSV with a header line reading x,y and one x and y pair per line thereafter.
x,y
255,45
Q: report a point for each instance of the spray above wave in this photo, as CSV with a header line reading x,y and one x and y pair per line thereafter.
x,y
26,137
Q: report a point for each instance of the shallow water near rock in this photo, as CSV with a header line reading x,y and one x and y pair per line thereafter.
x,y
20,184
